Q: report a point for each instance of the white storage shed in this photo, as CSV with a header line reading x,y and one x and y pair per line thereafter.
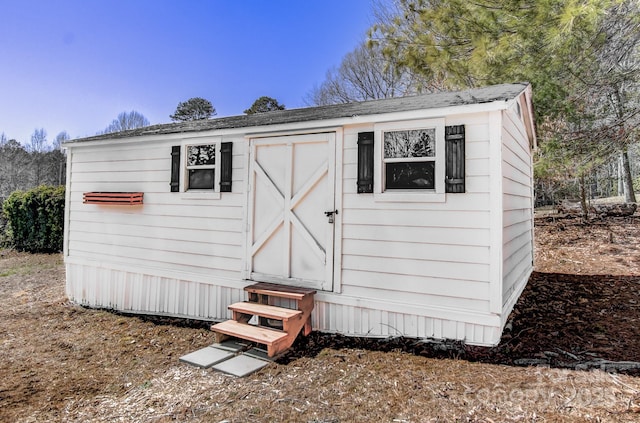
x,y
409,216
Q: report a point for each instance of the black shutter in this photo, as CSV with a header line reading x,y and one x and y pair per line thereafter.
x,y
454,157
365,162
175,168
226,150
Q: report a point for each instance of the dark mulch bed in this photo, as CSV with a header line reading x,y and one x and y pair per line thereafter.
x,y
568,321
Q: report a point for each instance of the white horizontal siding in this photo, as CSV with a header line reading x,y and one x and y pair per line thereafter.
x,y
517,205
108,240
398,293
122,186
436,235
122,176
161,255
511,217
429,253
446,252
116,215
414,285
471,272
517,172
156,234
477,168
168,232
475,219
516,196
515,231
151,164
476,150
125,153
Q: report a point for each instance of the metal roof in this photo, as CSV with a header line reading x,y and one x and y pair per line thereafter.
x,y
503,92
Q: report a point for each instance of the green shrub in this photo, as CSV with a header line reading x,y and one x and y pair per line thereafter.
x,y
36,219
5,233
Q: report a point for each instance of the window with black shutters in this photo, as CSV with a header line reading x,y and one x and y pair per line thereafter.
x,y
205,168
417,160
409,159
201,165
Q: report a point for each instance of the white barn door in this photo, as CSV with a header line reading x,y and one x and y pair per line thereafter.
x,y
291,201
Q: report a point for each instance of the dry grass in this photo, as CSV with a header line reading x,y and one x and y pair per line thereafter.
x,y
601,247
357,385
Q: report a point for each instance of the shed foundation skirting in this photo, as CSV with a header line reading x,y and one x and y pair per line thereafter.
x,y
132,292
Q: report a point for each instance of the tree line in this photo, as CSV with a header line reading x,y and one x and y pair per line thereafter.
x,y
35,163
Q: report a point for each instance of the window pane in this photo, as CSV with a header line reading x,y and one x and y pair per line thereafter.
x,y
198,155
410,143
200,178
414,175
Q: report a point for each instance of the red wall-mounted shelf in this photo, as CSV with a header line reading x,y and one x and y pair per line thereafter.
x,y
113,198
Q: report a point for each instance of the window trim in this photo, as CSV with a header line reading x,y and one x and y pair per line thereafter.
x,y
408,195
201,194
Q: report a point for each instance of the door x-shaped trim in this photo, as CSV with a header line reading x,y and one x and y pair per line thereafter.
x,y
288,214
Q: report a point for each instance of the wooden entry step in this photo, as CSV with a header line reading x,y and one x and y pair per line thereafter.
x,y
263,310
251,333
261,295
280,291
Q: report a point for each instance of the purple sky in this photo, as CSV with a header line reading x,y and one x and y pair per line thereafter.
x,y
74,65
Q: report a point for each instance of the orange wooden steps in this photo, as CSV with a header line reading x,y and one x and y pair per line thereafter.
x,y
294,320
274,290
264,310
251,333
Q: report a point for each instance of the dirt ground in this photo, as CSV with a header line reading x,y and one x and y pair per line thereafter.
x,y
581,309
